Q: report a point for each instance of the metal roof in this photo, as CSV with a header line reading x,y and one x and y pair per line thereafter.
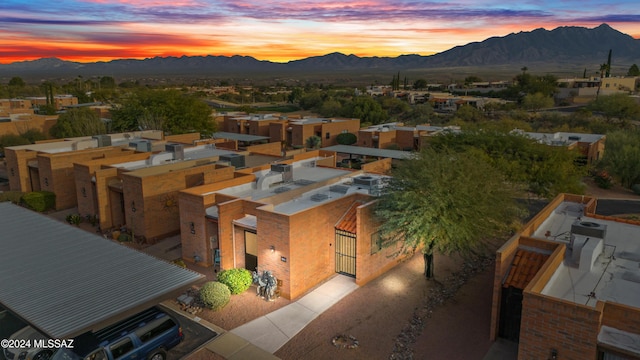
x,y
365,151
65,281
239,137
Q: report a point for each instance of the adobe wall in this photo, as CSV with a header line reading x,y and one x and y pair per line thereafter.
x,y
273,149
18,170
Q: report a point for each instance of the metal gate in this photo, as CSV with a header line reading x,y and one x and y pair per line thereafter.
x,y
345,253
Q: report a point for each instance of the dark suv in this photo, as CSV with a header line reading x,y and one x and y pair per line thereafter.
x,y
147,335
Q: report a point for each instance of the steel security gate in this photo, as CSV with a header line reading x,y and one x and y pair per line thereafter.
x,y
345,253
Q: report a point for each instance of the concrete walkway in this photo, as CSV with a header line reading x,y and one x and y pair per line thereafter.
x,y
272,331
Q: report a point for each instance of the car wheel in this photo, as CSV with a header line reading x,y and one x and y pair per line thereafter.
x,y
158,355
43,355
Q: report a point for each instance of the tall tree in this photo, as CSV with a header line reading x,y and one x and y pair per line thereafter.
x,y
445,201
177,113
633,70
78,122
622,156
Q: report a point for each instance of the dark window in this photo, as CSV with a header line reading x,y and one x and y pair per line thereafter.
x,y
328,136
121,347
157,330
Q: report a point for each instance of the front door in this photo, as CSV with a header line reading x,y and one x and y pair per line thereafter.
x,y
346,253
510,313
250,250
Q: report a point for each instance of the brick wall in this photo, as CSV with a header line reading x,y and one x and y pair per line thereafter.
x,y
405,139
108,204
549,323
273,149
621,317
382,166
18,169
369,266
189,138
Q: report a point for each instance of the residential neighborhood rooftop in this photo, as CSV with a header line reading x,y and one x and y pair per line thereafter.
x,y
602,258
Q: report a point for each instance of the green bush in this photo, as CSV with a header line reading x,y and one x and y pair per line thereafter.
x,y
13,196
603,180
40,200
237,280
124,238
636,189
346,139
74,219
215,295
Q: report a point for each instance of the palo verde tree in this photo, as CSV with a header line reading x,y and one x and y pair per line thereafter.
x,y
445,201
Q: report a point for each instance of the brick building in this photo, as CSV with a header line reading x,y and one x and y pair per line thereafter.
x,y
591,146
567,286
49,165
303,219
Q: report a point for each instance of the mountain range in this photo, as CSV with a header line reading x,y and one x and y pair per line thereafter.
x,y
567,47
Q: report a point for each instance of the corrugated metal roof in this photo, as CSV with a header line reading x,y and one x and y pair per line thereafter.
x,y
349,219
365,151
524,267
64,280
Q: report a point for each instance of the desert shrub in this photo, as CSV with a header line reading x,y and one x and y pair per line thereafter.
x,y
74,219
237,280
603,180
215,295
124,237
346,139
13,196
40,200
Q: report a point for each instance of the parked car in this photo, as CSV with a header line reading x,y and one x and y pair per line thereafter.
x,y
147,335
27,335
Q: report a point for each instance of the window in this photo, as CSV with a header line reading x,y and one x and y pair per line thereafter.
x,y
121,347
376,242
156,330
328,135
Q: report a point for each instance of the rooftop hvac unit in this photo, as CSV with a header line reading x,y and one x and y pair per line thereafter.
x,y
281,168
366,181
589,229
141,145
285,169
235,160
103,140
176,149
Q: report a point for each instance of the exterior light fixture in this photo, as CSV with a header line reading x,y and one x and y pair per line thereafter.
x,y
554,354
133,206
273,248
192,227
196,258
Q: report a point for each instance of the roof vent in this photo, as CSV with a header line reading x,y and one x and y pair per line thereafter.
x,y
303,182
281,189
341,189
319,197
281,168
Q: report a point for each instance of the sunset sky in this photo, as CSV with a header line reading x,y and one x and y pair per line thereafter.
x,y
281,30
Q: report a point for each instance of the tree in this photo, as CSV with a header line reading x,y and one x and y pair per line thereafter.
x,y
445,201
346,139
622,156
170,110
634,70
616,106
17,81
78,122
417,115
536,101
313,142
420,84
